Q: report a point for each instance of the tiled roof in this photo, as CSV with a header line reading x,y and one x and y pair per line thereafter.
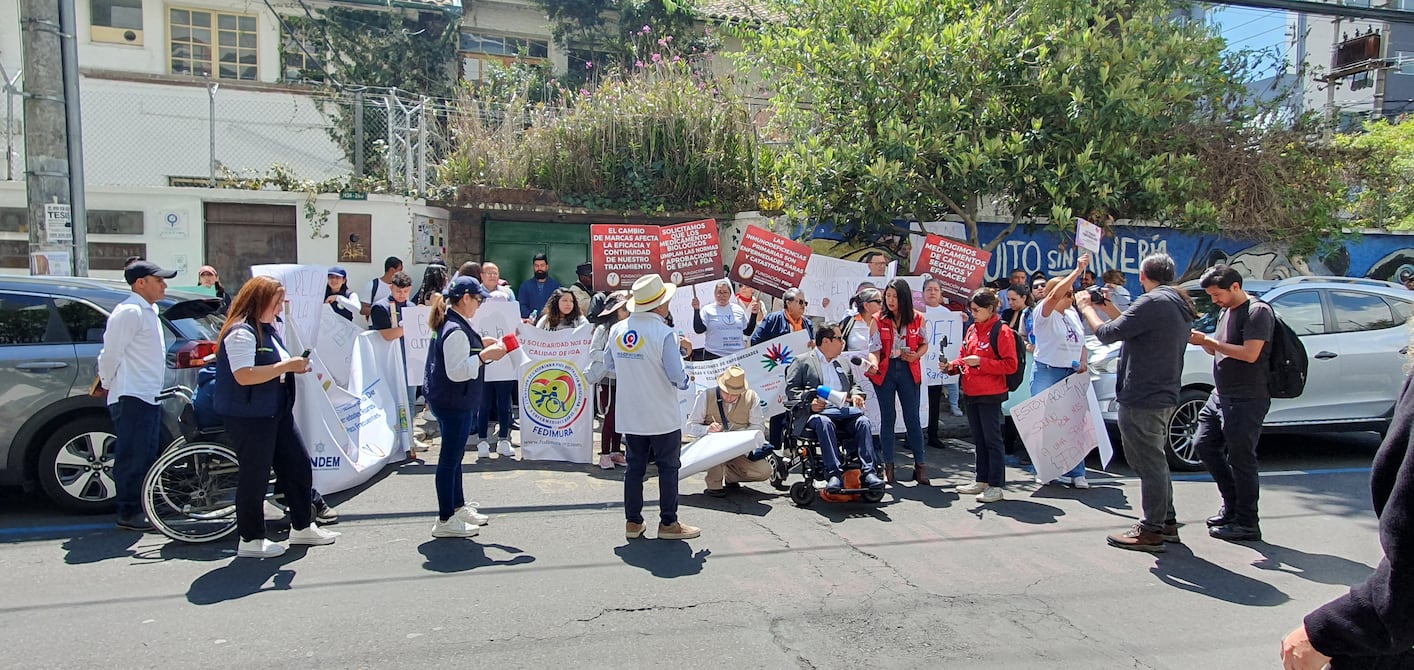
x,y
736,10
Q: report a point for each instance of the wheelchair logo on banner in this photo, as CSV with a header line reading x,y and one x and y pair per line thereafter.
x,y
555,396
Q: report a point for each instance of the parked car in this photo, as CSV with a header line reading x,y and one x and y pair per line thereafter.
x,y
1355,337
53,435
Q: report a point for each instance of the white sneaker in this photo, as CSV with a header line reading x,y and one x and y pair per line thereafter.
x,y
957,411
470,515
503,448
419,445
483,449
313,536
973,488
1040,481
1080,483
991,495
1063,480
606,462
260,549
454,527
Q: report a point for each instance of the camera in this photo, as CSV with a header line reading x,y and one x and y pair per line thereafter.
x,y
1097,295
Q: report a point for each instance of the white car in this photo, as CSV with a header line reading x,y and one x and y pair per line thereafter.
x,y
1356,340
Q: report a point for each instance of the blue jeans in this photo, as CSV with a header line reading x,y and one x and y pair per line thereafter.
x,y
663,450
852,423
456,428
898,381
496,397
1043,377
138,425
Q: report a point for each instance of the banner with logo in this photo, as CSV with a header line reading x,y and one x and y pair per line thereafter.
x,y
690,253
960,268
556,401
765,365
417,335
768,262
684,253
498,319
1061,425
304,294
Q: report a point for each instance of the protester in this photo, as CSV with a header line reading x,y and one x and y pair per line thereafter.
x,y
1017,277
789,319
207,277
338,296
1154,329
747,298
469,269
132,367
1087,279
535,291
455,362
821,367
382,287
731,405
900,349
878,263
723,322
386,317
984,370
561,312
1230,423
1060,349
1115,289
1372,626
643,355
1018,300
583,287
434,281
491,279
611,449
932,299
255,396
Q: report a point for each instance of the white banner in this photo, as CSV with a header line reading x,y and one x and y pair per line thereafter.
x,y
304,293
417,335
498,319
829,283
681,309
717,448
871,401
943,330
1061,425
556,402
335,346
765,365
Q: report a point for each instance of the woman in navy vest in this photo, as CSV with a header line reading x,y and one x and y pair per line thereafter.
x,y
255,396
453,388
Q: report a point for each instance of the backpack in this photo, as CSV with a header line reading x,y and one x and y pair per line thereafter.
x,y
1287,365
1013,380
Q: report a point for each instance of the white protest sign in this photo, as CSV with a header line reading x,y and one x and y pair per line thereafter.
x,y
765,365
717,448
1061,425
681,308
498,319
304,293
871,402
417,336
335,346
556,401
829,283
1087,235
943,329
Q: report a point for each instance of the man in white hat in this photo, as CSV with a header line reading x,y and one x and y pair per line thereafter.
x,y
732,405
643,355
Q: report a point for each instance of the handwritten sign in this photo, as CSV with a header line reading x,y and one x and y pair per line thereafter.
x,y
304,294
417,336
1087,235
829,283
960,268
690,253
769,262
498,319
335,346
1061,425
943,329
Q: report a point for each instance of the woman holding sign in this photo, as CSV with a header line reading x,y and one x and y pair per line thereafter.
x,y
724,322
899,374
1060,348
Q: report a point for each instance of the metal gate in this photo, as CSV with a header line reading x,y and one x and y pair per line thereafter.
x,y
240,235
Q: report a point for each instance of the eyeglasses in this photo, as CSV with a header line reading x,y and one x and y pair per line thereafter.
x,y
1038,287
876,301
802,303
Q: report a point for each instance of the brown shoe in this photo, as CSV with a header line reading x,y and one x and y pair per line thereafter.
x,y
1138,539
1170,533
889,474
678,531
633,530
920,475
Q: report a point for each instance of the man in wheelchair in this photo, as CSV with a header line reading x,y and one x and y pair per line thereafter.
x,y
831,420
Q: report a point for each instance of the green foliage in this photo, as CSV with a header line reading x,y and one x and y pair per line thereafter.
x,y
1386,175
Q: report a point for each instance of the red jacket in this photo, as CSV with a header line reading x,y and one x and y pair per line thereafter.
x,y
989,378
912,337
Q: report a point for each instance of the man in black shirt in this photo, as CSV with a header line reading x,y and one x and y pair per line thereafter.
x,y
1231,421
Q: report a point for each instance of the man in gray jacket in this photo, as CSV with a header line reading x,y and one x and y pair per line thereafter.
x,y
821,367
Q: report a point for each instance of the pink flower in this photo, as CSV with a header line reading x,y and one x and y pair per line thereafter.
x,y
589,65
676,59
638,63
662,42
584,91
669,38
657,58
647,30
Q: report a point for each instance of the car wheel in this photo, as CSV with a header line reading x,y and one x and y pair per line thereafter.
x,y
76,466
1183,428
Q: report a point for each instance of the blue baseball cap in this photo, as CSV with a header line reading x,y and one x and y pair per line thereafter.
x,y
464,285
338,271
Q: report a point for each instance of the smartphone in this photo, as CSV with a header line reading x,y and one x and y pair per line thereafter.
x,y
306,353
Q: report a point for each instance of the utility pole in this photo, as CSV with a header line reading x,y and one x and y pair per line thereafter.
x,y
46,137
69,56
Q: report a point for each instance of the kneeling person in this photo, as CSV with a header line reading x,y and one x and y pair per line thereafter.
x,y
731,406
821,367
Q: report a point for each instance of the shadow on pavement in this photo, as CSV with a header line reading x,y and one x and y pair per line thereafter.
x,y
745,500
244,577
1110,499
1320,568
179,551
100,546
448,555
663,558
933,495
1023,510
1181,569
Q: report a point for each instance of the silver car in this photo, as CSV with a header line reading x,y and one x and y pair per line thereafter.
x,y
1356,340
53,435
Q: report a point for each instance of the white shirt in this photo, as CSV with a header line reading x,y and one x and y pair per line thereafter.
x,y
696,426
1059,337
829,376
724,325
456,356
133,361
380,291
240,345
544,323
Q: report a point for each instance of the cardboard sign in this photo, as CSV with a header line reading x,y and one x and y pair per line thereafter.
x,y
1087,235
770,263
960,268
691,253
829,283
417,336
1061,425
621,254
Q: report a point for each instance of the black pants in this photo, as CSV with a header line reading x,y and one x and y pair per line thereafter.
x,y
935,405
985,420
262,444
1228,430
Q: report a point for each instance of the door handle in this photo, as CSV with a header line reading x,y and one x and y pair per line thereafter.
x,y
1404,351
1325,355
41,366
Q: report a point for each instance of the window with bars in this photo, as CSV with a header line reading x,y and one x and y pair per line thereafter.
x,y
295,57
213,44
481,49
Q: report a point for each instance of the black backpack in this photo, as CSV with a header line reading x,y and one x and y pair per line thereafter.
x,y
1287,365
1013,380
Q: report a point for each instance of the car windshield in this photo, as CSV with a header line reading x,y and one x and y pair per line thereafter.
x,y
1208,312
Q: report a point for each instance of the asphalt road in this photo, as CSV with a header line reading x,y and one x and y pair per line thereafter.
x,y
925,577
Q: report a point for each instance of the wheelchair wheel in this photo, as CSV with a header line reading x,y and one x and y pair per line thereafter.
x,y
872,495
190,492
779,471
802,493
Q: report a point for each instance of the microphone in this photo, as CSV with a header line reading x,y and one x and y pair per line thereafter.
x,y
856,360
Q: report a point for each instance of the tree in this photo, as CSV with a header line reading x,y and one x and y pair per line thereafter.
x,y
1386,176
1042,109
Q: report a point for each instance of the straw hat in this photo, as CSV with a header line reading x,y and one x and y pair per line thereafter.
x,y
614,302
651,292
732,380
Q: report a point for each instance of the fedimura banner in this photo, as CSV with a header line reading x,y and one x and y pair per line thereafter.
x,y
556,401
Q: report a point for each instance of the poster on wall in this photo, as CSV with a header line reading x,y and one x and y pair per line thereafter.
x,y
52,263
355,238
768,262
429,240
960,268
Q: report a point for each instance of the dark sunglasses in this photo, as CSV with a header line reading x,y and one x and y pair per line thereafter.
x,y
803,303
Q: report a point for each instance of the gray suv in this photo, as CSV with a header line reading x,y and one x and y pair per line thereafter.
x,y
52,433
1356,341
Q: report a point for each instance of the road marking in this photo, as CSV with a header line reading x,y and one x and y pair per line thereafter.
x,y
48,530
1201,477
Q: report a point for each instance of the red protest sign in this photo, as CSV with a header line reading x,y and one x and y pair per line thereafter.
x,y
621,254
691,252
769,262
960,268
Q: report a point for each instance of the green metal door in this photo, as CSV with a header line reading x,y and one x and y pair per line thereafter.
x,y
511,245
